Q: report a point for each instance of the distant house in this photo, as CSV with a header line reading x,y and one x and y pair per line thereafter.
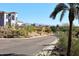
x,y
19,23
8,18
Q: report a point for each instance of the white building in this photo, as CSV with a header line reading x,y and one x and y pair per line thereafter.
x,y
8,18
19,23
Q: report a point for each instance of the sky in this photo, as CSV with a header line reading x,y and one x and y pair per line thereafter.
x,y
35,13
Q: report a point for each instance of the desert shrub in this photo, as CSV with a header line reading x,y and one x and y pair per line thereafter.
x,y
6,32
30,28
75,47
10,32
48,29
63,28
62,44
53,28
22,31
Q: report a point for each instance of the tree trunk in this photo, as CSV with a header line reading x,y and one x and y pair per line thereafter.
x,y
69,39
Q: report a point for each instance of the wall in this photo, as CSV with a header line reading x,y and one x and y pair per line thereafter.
x,y
1,19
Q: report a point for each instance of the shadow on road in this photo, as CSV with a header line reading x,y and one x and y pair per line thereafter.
x,y
13,54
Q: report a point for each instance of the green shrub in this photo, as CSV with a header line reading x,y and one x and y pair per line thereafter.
x,y
53,28
75,47
63,41
62,44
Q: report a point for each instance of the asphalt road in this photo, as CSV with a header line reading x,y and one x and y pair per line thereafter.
x,y
25,47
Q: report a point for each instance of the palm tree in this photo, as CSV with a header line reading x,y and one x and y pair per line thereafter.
x,y
73,9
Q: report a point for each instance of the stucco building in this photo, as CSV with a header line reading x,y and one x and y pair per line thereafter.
x,y
8,18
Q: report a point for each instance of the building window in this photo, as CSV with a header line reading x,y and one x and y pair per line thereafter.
x,y
9,14
6,16
13,18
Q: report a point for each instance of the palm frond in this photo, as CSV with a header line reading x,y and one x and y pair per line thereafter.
x,y
71,4
62,15
58,8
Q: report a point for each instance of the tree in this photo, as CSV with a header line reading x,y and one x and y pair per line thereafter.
x,y
57,27
53,28
73,9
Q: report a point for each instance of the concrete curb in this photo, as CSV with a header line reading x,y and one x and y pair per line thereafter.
x,y
51,45
48,49
24,38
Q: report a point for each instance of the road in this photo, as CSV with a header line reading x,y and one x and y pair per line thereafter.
x,y
27,47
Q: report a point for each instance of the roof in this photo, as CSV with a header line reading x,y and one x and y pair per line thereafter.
x,y
13,12
2,12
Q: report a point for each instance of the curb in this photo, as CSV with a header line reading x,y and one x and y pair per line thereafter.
x,y
48,49
23,38
51,45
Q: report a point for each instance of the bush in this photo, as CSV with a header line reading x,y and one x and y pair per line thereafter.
x,y
75,47
62,45
23,31
53,28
